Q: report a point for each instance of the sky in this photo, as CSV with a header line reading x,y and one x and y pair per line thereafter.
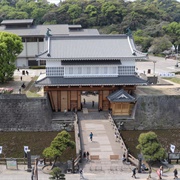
x,y
57,1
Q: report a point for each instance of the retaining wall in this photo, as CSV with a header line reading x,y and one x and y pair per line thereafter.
x,y
19,113
154,112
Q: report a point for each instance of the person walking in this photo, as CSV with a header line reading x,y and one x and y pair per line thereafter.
x,y
91,136
134,173
150,171
161,170
87,156
84,155
159,173
81,174
175,174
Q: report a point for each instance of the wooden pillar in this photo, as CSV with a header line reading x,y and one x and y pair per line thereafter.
x,y
100,99
79,100
55,100
59,99
51,100
69,100
64,101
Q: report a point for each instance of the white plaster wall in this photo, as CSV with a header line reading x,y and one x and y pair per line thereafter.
x,y
53,63
30,49
20,62
23,53
128,62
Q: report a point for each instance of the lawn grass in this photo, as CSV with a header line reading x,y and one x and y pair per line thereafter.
x,y
174,79
31,94
13,144
165,137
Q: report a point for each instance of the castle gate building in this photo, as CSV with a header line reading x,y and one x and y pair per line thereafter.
x,y
103,65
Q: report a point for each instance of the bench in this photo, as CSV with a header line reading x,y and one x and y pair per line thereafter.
x,y
114,157
94,157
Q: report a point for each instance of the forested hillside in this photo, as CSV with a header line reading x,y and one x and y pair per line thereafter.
x,y
155,24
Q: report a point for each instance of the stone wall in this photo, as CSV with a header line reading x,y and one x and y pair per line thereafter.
x,y
155,112
19,113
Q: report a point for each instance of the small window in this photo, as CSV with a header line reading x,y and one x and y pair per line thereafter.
x,y
88,70
79,70
70,70
105,70
42,62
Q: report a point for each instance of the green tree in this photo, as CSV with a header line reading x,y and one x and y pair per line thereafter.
x,y
74,11
10,47
159,45
150,147
56,174
173,30
60,143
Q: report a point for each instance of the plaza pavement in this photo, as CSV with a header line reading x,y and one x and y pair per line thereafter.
x,y
22,174
104,143
161,65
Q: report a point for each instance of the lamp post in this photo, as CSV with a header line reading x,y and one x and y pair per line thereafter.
x,y
177,55
154,71
154,67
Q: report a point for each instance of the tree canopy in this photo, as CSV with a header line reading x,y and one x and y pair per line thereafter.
x,y
10,47
60,143
156,18
150,147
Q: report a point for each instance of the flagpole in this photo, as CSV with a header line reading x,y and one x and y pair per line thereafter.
x,y
177,55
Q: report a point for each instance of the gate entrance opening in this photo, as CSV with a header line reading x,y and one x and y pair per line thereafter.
x,y
90,100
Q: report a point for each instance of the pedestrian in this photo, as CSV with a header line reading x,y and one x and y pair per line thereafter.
x,y
91,136
84,101
84,154
65,112
175,174
134,173
150,171
23,85
27,72
21,78
92,103
81,174
87,156
19,90
159,173
123,158
161,170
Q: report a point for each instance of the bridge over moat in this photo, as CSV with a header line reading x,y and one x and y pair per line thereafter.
x,y
106,148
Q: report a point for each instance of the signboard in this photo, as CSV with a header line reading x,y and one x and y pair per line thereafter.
x,y
11,164
25,149
0,149
174,156
167,74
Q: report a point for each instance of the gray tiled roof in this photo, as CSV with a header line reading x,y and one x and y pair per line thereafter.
x,y
120,96
94,81
92,62
91,47
84,32
40,30
17,21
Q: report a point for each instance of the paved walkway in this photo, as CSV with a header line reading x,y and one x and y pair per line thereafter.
x,y
104,143
17,82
